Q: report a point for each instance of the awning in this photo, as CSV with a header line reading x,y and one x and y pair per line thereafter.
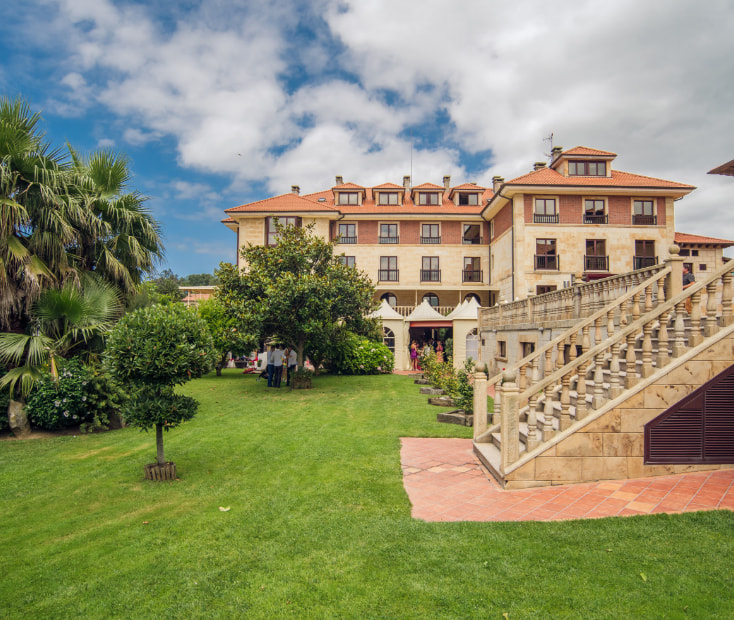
x,y
431,324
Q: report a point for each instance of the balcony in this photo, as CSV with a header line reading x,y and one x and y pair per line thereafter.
x,y
596,219
430,275
393,240
545,219
472,240
642,262
430,240
644,220
596,263
471,275
387,275
550,262
347,240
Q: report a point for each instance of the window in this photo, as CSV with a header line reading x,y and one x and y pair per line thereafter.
x,y
685,252
587,168
429,269
694,252
389,198
643,212
348,198
388,269
596,258
594,211
430,233
542,289
491,229
347,260
427,198
702,267
390,299
388,338
389,233
545,211
502,349
472,234
528,348
347,233
644,254
432,299
545,254
472,269
468,199
270,231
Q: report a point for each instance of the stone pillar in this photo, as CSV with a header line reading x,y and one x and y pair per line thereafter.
x,y
674,285
18,419
510,430
480,399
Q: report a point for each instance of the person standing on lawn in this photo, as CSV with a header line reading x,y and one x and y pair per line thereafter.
x,y
292,363
271,365
277,366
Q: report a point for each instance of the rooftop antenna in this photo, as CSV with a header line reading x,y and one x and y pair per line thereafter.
x,y
549,139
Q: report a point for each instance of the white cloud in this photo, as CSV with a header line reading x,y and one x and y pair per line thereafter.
x,y
105,143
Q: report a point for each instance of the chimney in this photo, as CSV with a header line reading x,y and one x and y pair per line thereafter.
x,y
556,153
339,180
295,189
406,182
538,165
447,182
496,182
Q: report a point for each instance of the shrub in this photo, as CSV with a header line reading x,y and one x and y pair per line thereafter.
x,y
356,355
457,384
83,396
4,402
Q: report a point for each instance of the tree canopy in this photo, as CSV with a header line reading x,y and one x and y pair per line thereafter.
x,y
296,290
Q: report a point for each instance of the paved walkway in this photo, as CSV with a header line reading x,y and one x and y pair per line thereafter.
x,y
445,482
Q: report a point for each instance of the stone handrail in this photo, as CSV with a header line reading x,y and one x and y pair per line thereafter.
x,y
554,354
556,386
569,303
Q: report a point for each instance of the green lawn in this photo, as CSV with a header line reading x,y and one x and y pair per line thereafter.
x,y
319,525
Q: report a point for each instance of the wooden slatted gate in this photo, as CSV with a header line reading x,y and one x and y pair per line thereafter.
x,y
697,429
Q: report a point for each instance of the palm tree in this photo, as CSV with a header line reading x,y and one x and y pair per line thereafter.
x,y
118,238
62,320
35,212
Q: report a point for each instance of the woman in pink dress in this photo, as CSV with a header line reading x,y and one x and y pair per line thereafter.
x,y
439,351
413,356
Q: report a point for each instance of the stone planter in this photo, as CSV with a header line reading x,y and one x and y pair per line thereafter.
x,y
300,383
441,401
421,382
432,391
167,471
456,417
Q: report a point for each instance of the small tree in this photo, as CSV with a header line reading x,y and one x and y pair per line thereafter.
x,y
151,351
226,331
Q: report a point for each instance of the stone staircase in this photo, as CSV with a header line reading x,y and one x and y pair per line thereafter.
x,y
575,410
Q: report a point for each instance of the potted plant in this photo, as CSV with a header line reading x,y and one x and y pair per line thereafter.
x,y
151,351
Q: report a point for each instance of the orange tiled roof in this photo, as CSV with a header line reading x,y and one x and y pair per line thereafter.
x,y
696,239
348,186
549,176
227,220
428,186
283,203
388,186
466,186
585,150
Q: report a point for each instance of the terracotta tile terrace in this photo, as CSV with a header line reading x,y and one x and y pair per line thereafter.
x,y
445,482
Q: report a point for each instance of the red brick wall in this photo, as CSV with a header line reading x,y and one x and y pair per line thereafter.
x,y
570,210
503,220
661,212
620,210
367,232
528,208
410,231
451,232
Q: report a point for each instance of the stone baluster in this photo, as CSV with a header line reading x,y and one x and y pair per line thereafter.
x,y
597,331
572,353
497,408
696,337
711,326
623,313
581,409
560,355
648,298
630,362
510,430
523,384
610,323
585,340
548,414
663,340
565,420
548,369
647,368
598,381
480,399
635,307
533,423
615,385
660,292
679,345
726,300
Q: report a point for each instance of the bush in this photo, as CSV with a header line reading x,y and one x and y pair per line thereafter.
x,y
356,355
456,384
4,402
83,396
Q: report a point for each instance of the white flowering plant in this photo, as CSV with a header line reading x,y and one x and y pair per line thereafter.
x,y
360,356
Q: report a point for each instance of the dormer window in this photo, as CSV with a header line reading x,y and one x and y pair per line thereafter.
x,y
389,198
348,198
466,198
427,198
587,168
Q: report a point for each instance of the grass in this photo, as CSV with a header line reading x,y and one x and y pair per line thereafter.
x,y
319,525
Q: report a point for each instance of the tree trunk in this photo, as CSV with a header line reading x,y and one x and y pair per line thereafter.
x,y
299,349
18,419
219,369
159,444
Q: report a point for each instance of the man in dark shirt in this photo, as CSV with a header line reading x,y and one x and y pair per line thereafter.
x,y
688,280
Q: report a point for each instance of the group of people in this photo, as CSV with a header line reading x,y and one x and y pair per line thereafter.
x,y
279,360
418,349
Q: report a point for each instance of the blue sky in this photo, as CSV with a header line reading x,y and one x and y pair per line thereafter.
x,y
218,103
